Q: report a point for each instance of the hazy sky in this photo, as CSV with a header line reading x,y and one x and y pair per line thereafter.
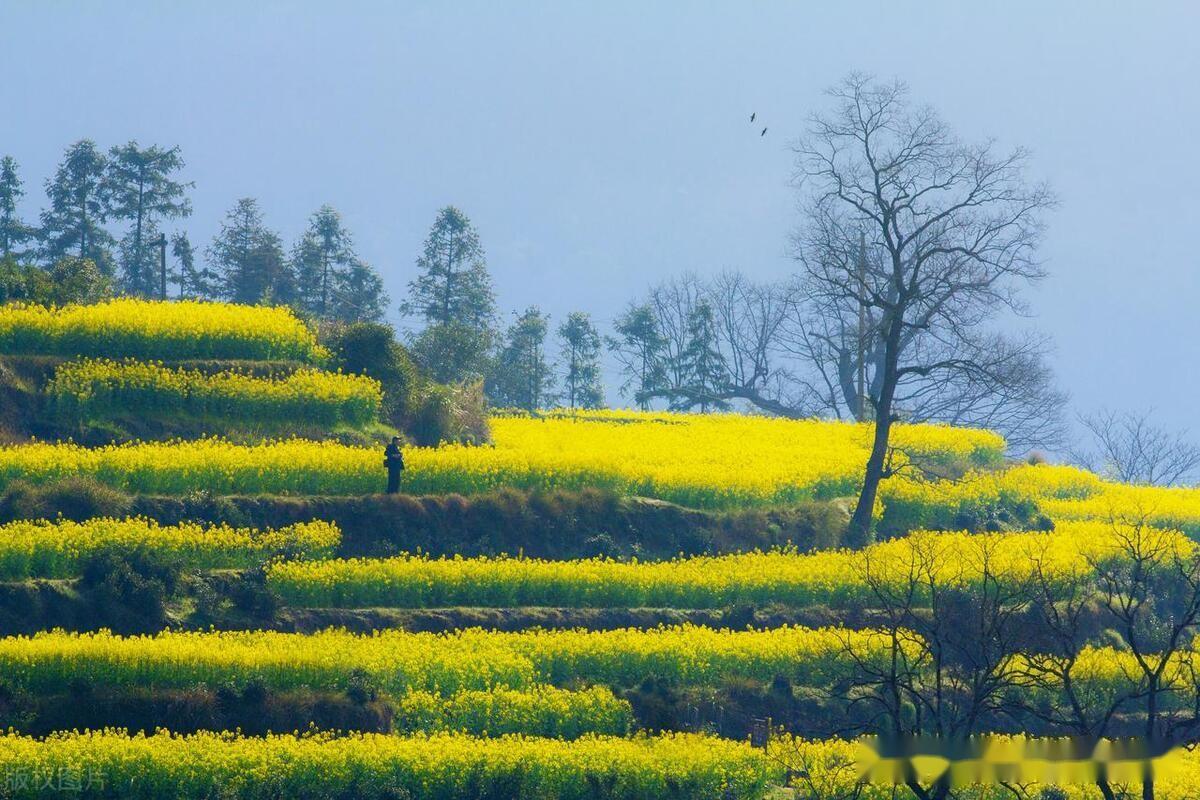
x,y
601,146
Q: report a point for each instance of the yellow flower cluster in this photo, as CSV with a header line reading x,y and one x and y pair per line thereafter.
x,y
104,389
292,466
399,661
827,578
149,329
1061,492
377,766
705,461
499,711
56,549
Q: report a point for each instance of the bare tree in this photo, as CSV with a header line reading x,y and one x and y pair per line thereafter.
x,y
1146,593
950,631
930,237
1131,448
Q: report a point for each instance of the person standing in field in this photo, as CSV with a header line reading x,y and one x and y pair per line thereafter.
x,y
393,459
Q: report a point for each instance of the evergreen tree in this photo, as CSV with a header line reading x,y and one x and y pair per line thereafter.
x,y
322,254
248,258
641,350
141,190
453,296
702,363
333,283
581,362
73,224
359,295
453,286
522,377
195,283
13,232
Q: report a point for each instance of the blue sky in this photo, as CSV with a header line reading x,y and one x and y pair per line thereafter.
x,y
599,147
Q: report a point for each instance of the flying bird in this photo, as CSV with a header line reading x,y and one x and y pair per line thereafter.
x,y
764,132
752,116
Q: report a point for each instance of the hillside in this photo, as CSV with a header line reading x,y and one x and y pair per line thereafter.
x,y
599,605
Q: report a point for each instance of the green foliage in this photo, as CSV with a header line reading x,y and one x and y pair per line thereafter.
x,y
454,285
249,258
73,223
453,296
332,281
521,376
640,347
702,365
140,189
70,279
139,579
13,232
450,413
195,283
581,362
368,348
452,351
76,498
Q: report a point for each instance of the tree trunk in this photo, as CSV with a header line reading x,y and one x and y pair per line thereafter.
x,y
859,531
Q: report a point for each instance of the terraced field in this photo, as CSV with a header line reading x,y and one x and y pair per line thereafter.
x,y
252,625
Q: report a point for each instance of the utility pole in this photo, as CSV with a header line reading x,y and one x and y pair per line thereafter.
x,y
862,325
162,265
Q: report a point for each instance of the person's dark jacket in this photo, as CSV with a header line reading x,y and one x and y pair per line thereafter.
x,y
393,457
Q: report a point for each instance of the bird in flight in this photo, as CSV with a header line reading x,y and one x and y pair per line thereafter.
x,y
752,116
764,132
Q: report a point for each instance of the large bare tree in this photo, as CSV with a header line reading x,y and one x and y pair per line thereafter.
x,y
789,352
929,237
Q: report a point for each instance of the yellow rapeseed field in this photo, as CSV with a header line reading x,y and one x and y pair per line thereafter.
x,y
836,578
41,549
150,329
705,461
377,766
102,389
399,661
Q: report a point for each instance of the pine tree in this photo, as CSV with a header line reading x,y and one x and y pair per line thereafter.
x,y
702,363
333,283
453,296
581,362
73,224
248,258
522,377
195,283
454,286
13,232
140,189
358,294
641,350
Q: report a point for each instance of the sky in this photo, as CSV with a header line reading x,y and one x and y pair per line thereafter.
x,y
600,147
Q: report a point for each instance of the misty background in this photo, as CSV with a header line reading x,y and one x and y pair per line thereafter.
x,y
599,149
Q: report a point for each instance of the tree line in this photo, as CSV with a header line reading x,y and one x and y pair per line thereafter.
x,y
911,252
138,192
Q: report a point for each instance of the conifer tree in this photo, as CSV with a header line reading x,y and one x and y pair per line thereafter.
x,y
581,362
702,363
140,189
13,232
73,223
248,258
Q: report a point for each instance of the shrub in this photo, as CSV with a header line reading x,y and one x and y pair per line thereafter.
x,y
371,349
138,579
456,413
76,498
